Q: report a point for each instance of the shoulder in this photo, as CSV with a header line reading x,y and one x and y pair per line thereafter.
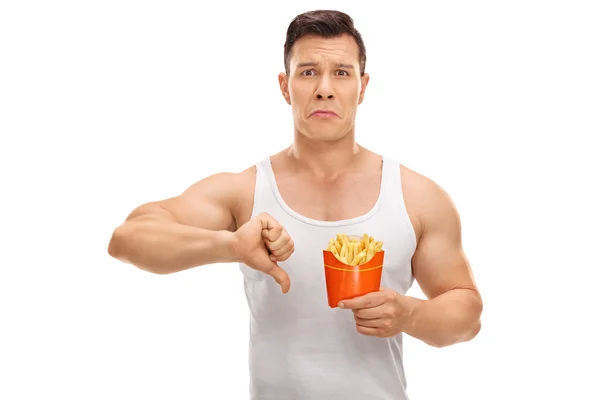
x,y
231,191
225,185
428,204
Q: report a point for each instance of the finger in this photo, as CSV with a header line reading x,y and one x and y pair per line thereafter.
x,y
271,235
279,242
368,300
286,247
286,255
368,331
280,276
372,323
380,311
271,229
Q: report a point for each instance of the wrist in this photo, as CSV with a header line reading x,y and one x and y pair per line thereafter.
x,y
413,307
226,241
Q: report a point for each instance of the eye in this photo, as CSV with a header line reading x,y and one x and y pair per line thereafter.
x,y
343,73
306,73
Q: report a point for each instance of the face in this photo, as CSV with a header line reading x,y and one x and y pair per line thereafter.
x,y
324,75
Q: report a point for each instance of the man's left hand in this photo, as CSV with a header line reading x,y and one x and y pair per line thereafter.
x,y
383,314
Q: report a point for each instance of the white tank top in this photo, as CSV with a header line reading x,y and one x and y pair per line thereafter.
x,y
300,348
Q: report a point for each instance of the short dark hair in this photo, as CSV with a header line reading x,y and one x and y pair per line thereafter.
x,y
325,23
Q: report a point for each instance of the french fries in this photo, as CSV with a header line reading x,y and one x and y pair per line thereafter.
x,y
352,251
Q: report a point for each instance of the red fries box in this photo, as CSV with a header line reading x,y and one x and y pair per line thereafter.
x,y
345,280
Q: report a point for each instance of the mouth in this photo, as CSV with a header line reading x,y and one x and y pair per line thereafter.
x,y
324,114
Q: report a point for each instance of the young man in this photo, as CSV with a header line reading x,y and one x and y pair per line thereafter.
x,y
276,218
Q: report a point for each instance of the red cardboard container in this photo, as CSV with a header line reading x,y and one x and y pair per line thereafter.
x,y
347,281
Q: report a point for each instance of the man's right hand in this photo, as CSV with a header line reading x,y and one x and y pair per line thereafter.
x,y
260,243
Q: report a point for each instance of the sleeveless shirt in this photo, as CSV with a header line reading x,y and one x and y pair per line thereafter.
x,y
299,347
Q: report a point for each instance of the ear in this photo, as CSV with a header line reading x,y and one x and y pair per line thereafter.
x,y
364,81
283,85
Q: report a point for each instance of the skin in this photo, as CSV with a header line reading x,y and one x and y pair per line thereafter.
x,y
210,221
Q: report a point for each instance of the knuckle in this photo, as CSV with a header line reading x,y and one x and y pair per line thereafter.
x,y
286,254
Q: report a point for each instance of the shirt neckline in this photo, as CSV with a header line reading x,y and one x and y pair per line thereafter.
x,y
316,222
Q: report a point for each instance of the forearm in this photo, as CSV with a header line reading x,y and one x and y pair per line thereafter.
x,y
162,246
449,318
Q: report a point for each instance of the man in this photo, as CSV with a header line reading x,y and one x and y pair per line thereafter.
x,y
276,218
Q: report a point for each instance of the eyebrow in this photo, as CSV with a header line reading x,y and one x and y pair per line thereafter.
x,y
315,64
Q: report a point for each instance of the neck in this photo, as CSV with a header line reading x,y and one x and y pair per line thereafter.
x,y
324,159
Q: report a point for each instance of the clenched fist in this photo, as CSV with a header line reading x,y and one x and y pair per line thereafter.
x,y
261,243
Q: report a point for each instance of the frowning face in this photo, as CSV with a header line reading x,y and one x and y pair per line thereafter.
x,y
324,86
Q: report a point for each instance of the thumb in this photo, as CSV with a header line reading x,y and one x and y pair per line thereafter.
x,y
280,276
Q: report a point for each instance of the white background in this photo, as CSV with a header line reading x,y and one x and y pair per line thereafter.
x,y
107,105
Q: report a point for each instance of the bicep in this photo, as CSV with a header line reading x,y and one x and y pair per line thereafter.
x,y
206,204
439,262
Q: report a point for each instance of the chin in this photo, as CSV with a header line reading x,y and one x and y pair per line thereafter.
x,y
323,136
321,132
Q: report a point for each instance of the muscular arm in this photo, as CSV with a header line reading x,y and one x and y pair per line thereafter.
x,y
451,313
190,230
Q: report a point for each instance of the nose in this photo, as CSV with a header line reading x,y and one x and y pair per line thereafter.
x,y
324,89
320,96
